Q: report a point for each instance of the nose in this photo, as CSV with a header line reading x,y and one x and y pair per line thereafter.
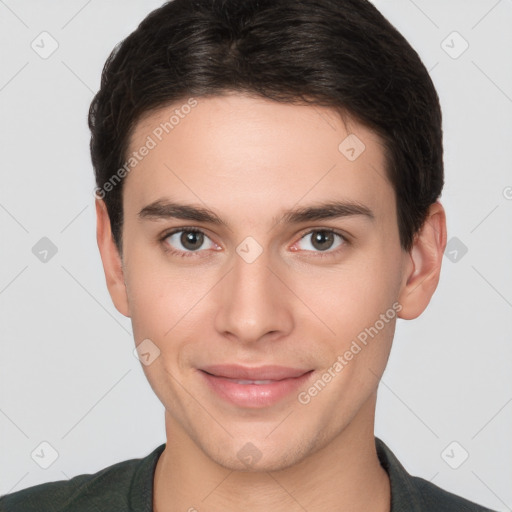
x,y
254,301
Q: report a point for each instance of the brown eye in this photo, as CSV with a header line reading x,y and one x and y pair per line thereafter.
x,y
321,240
191,240
188,240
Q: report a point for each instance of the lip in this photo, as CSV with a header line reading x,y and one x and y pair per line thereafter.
x,y
277,383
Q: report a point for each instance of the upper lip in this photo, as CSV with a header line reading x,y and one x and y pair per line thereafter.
x,y
271,372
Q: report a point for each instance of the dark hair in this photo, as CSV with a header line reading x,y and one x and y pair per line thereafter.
x,y
341,54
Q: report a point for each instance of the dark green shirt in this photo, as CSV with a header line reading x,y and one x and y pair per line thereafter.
x,y
128,486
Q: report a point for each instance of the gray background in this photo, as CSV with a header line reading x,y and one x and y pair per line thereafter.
x,y
68,375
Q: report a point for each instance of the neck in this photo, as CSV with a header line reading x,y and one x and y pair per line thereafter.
x,y
343,475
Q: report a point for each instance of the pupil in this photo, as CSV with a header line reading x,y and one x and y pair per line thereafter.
x,y
321,237
192,240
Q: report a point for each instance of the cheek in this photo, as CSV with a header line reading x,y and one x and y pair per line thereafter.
x,y
351,297
166,301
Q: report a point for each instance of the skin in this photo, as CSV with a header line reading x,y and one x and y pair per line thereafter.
x,y
248,160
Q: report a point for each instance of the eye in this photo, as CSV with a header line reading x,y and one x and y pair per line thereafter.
x,y
322,240
185,241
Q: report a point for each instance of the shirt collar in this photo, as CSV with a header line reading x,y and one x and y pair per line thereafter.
x,y
404,494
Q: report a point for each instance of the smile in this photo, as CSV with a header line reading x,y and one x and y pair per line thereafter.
x,y
254,387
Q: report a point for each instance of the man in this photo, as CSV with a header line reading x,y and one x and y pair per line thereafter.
x,y
268,175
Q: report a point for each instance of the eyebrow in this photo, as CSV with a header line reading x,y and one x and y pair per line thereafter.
x,y
164,209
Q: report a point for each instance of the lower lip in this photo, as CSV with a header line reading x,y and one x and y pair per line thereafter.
x,y
254,395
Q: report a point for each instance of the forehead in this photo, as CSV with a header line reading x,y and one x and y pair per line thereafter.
x,y
249,154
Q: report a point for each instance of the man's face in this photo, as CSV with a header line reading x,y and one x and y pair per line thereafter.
x,y
258,290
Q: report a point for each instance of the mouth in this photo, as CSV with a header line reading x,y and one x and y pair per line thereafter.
x,y
254,387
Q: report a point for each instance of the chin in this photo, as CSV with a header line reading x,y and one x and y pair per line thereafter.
x,y
259,454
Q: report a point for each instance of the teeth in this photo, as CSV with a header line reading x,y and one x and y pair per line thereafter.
x,y
254,381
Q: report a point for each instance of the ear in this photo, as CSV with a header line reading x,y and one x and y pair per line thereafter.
x,y
424,264
112,262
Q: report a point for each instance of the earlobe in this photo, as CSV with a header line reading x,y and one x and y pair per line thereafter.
x,y
112,262
424,268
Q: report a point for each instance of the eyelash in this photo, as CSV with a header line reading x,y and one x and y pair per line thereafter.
x,y
186,254
174,252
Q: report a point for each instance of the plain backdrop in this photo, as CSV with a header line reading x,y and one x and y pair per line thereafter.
x,y
68,375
